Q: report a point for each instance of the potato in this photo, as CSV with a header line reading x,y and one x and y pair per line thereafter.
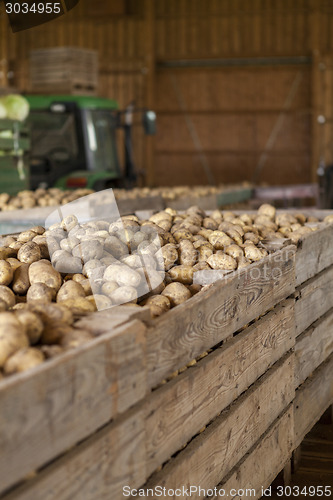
x,y
69,223
41,293
70,290
69,264
267,210
6,252
170,255
22,360
108,287
219,240
123,295
79,306
29,253
182,274
158,304
242,262
222,261
210,223
87,250
328,219
234,251
54,332
7,296
12,336
177,293
43,272
123,275
84,282
6,273
14,263
51,351
251,237
3,306
21,280
52,313
187,253
253,253
32,324
116,247
75,338
182,234
26,236
100,301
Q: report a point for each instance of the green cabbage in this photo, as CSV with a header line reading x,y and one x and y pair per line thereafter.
x,y
17,107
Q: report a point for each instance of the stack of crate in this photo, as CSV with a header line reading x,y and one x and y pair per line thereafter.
x,y
64,70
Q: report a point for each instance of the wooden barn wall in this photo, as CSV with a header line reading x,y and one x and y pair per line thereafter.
x,y
231,111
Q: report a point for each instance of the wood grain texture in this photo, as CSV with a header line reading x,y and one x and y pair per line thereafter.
x,y
313,299
46,411
312,399
212,454
96,469
179,409
263,462
211,316
314,254
313,347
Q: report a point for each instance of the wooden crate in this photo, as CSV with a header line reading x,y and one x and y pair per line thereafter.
x,y
63,70
101,394
314,328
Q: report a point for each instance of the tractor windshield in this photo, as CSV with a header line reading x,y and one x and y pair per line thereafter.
x,y
53,134
101,140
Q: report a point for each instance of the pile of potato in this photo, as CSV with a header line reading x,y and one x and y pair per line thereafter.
x,y
40,198
49,278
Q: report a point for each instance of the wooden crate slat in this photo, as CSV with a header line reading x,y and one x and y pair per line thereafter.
x,y
314,254
115,456
212,454
261,465
313,299
179,409
313,347
48,410
207,319
312,399
96,469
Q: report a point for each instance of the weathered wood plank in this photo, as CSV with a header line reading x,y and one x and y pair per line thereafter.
x,y
179,409
47,410
259,467
212,454
314,254
313,347
313,299
312,399
97,469
211,316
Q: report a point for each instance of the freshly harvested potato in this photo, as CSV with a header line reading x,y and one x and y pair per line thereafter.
x,y
43,272
187,253
234,251
253,253
54,332
182,274
328,219
70,290
123,275
29,253
170,255
14,263
267,210
88,250
7,296
251,237
12,336
40,292
205,251
220,240
32,324
6,252
26,236
222,261
3,306
52,313
22,360
158,305
6,273
109,287
177,293
21,280
101,302
51,351
75,338
79,306
124,294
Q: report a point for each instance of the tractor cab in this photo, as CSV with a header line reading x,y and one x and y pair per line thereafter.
x,y
73,142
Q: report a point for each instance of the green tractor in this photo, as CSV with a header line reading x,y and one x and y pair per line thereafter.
x,y
73,142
